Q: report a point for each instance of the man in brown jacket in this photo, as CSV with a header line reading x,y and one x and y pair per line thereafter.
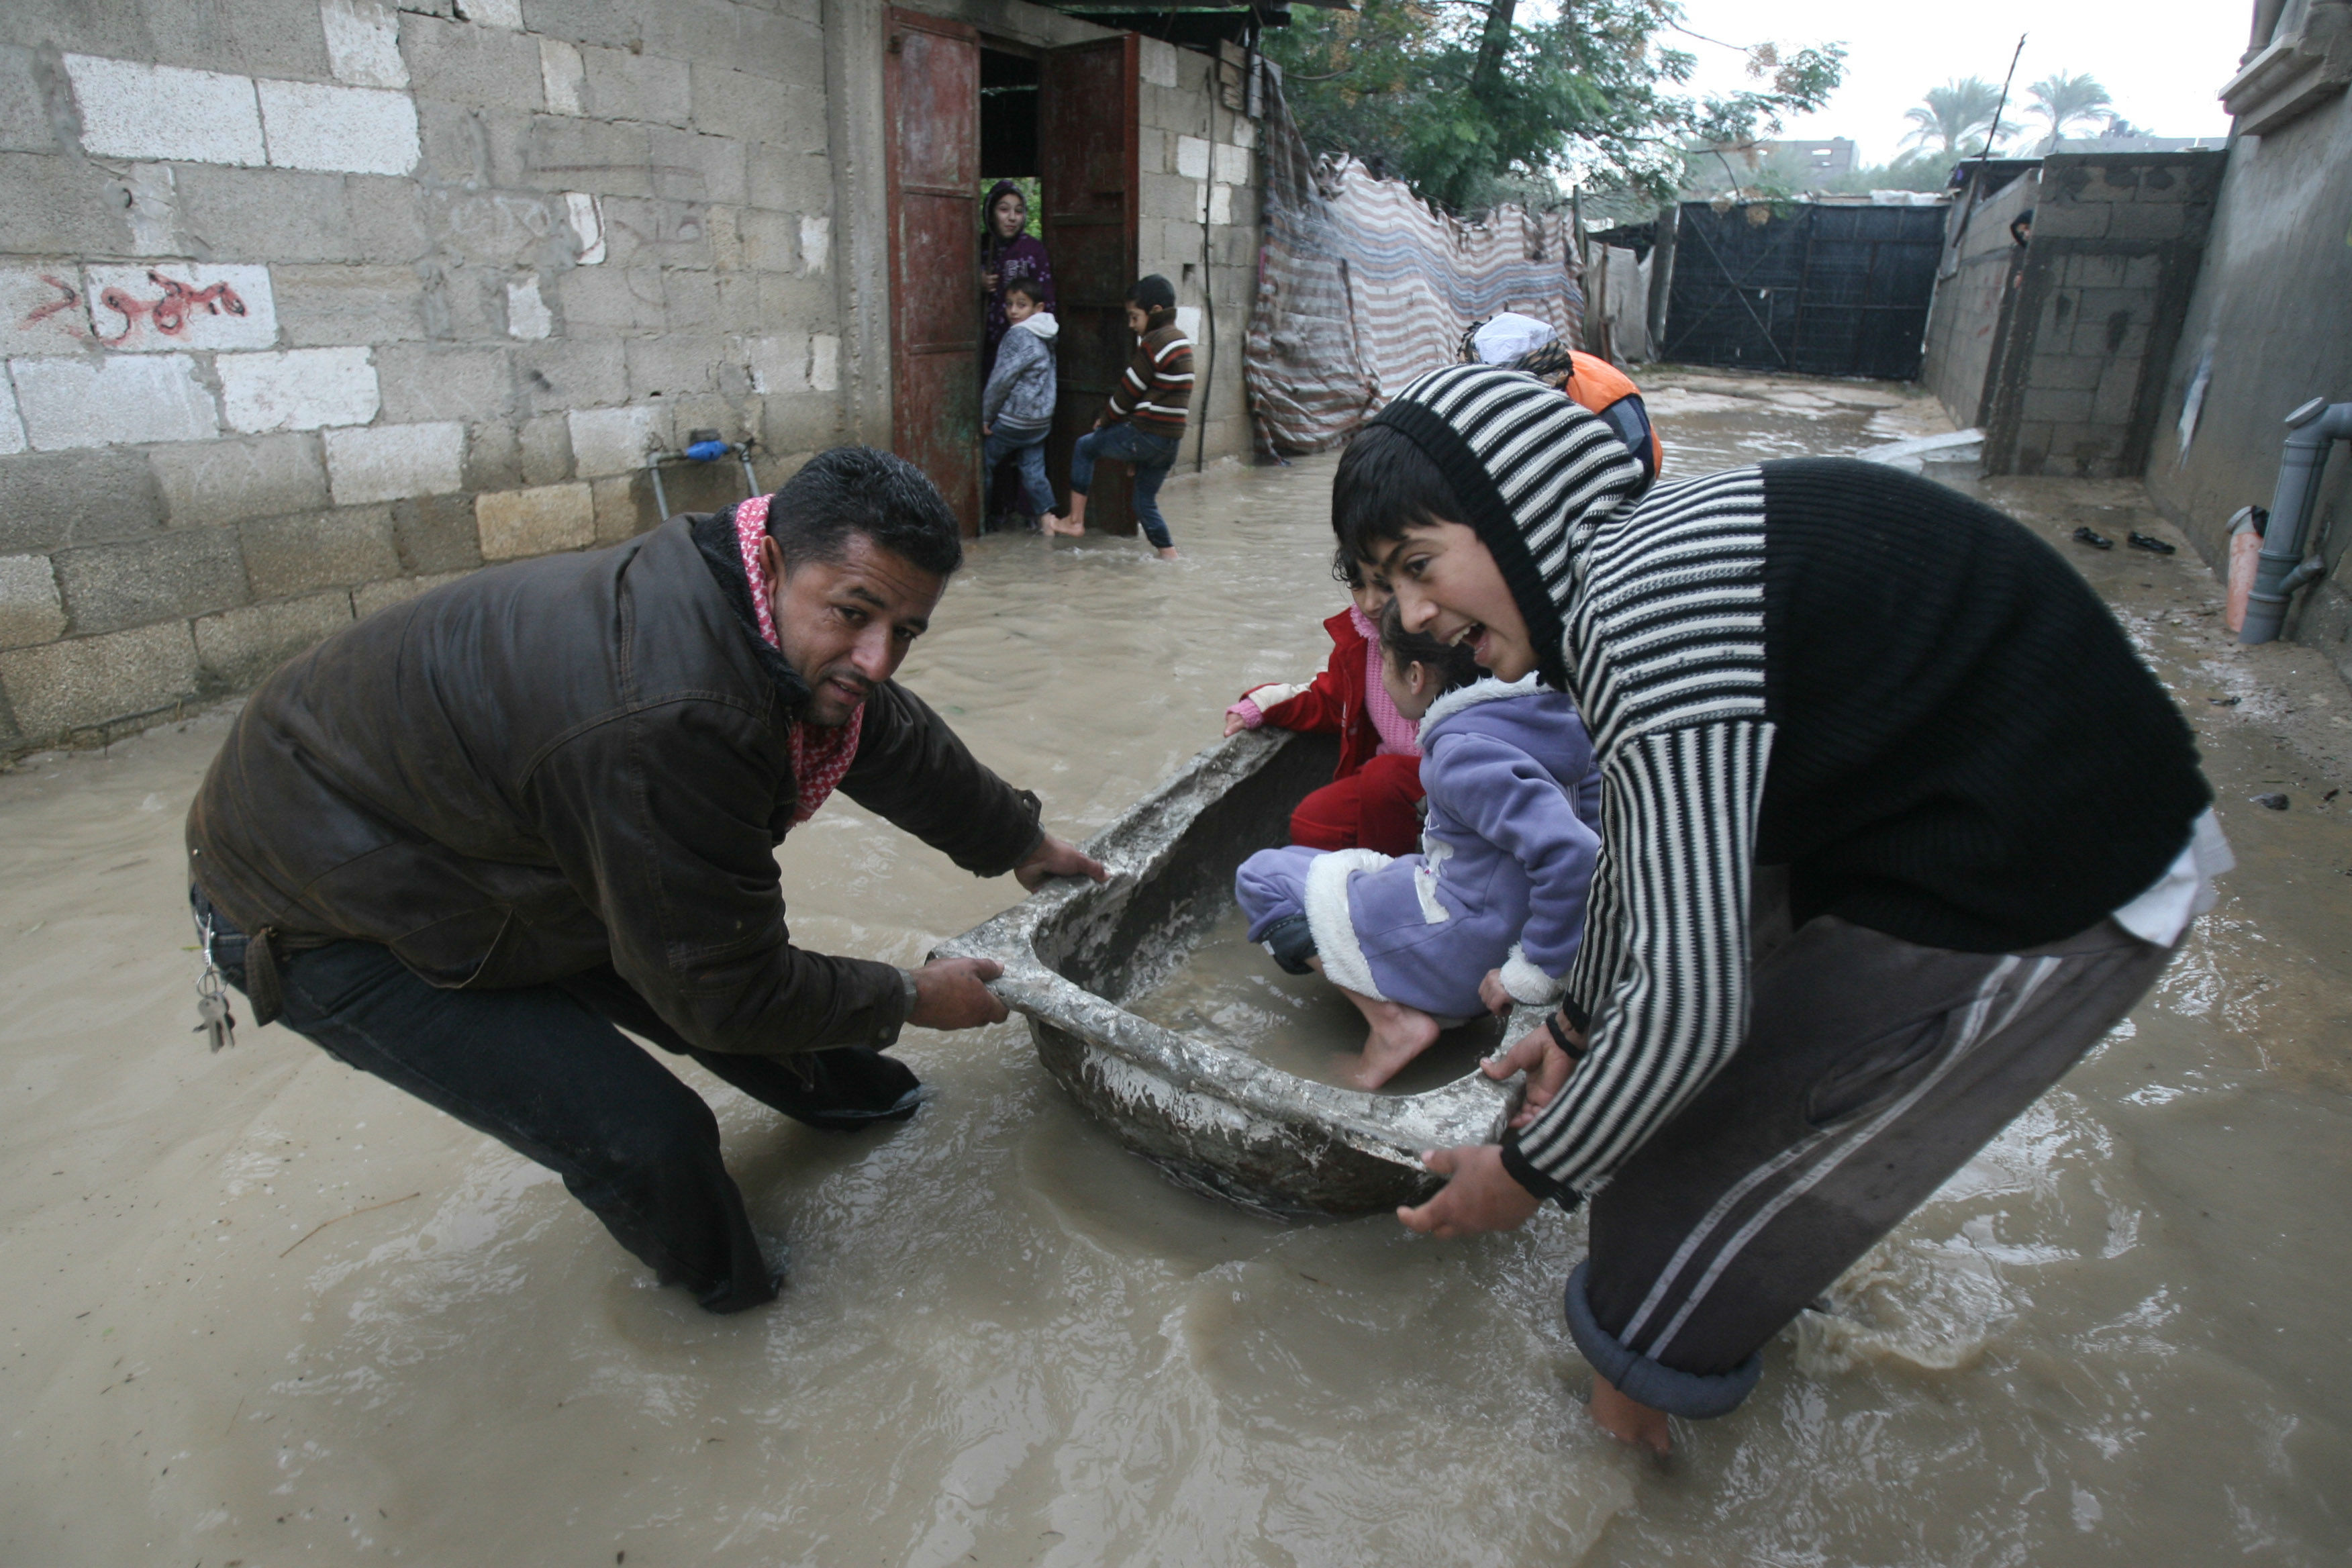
x,y
459,843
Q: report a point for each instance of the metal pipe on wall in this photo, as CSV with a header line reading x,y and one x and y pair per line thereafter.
x,y
2311,429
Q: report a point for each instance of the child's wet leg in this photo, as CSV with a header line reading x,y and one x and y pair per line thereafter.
x,y
1398,1035
1628,1420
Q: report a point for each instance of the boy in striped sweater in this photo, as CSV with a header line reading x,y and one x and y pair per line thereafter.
x,y
1895,826
1144,424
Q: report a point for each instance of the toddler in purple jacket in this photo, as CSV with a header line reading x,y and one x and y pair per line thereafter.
x,y
1492,909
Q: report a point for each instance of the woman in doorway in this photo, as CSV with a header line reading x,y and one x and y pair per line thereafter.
x,y
1007,253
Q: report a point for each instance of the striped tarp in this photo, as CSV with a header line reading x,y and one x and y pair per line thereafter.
x,y
1362,287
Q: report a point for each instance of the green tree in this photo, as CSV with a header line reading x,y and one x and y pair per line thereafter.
x,y
1947,117
1470,104
2063,100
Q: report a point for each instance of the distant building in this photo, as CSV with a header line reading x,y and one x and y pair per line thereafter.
x,y
1813,160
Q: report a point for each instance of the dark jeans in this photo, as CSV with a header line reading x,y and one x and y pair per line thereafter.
x,y
1149,457
543,1069
1029,454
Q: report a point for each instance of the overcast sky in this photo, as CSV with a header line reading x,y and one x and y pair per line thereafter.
x,y
2161,61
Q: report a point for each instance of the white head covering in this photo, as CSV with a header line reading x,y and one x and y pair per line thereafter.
x,y
1509,335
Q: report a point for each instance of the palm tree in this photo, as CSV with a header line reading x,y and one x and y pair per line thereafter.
x,y
1955,111
2063,100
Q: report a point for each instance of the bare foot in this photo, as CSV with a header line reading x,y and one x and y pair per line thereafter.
x,y
1628,1420
1398,1034
1168,552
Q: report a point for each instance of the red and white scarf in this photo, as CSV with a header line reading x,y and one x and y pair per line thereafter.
x,y
820,754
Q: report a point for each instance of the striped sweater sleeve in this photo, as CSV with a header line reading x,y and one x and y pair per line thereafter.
x,y
1156,389
1662,973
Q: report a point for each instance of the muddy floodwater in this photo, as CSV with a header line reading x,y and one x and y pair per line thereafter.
x,y
263,1310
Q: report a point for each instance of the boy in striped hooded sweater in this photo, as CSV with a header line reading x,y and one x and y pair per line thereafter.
x,y
1143,426
1895,826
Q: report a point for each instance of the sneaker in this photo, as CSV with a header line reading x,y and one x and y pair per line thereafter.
x,y
2094,541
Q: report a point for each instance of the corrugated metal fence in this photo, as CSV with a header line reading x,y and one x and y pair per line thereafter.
x,y
1817,290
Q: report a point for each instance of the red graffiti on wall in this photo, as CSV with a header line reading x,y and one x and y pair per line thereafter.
x,y
67,297
172,313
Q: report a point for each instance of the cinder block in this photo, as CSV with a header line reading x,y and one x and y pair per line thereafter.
x,y
624,507
288,555
76,498
1221,203
562,76
691,301
425,381
2117,394
236,648
351,130
1232,165
80,402
1156,62
589,21
152,208
298,389
825,362
2071,220
788,179
134,111
267,214
571,373
2149,220
2055,406
545,443
24,124
613,299
528,316
778,363
435,534
62,687
642,231
502,228
538,522
30,610
12,427
614,440
506,14
263,38
470,64
180,572
493,457
673,364
45,303
60,206
585,211
157,307
2095,271
367,599
642,87
1244,132
1192,157
228,481
392,462
769,240
362,43
319,305
691,167
568,154
2074,372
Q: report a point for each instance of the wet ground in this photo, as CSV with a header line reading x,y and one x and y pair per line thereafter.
x,y
264,1310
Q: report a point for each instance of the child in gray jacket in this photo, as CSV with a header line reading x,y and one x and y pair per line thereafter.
x,y
1016,407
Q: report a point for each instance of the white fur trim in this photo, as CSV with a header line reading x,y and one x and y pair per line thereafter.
x,y
1528,984
1270,697
1487,689
1328,918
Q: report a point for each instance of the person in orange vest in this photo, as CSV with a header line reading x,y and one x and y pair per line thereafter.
x,y
1525,344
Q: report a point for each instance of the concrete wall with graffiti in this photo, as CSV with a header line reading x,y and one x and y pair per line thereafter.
x,y
306,306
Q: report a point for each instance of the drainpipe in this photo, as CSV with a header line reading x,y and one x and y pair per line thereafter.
x,y
2311,429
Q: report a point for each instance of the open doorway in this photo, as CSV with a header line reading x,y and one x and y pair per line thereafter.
x,y
961,112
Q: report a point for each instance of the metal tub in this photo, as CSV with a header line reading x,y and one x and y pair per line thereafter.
x,y
1214,1119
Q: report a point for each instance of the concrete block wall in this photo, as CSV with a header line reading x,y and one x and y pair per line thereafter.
x,y
1975,296
308,304
2118,242
1197,162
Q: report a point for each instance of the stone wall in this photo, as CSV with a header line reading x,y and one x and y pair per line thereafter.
x,y
1197,162
2117,238
2269,327
309,306
1974,297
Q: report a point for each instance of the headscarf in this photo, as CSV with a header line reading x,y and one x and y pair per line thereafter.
x,y
821,754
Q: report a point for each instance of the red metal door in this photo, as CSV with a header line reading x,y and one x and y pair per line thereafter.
x,y
1086,156
930,102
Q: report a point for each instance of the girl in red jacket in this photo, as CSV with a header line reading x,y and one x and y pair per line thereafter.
x,y
1373,801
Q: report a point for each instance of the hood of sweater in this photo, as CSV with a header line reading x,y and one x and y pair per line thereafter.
x,y
1537,721
1043,324
1536,475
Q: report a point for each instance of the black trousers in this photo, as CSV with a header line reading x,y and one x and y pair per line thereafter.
x,y
544,1070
